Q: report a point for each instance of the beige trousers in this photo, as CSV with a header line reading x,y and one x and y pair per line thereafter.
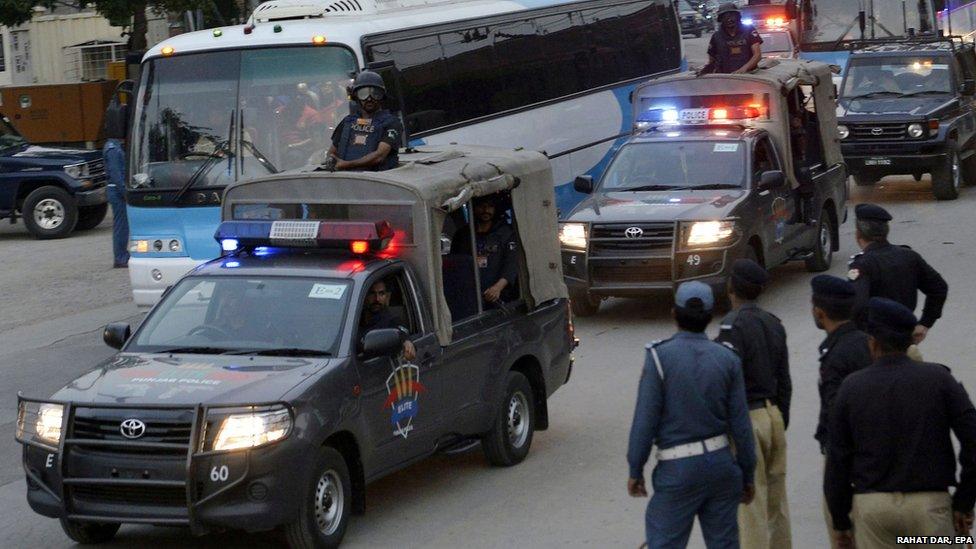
x,y
881,517
765,523
829,521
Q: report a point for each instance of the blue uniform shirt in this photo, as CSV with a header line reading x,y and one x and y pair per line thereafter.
x,y
703,396
114,157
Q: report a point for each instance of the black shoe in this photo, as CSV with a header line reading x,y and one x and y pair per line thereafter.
x,y
120,266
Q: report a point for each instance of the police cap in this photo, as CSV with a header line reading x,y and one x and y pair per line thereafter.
x,y
694,295
871,212
832,288
889,320
750,272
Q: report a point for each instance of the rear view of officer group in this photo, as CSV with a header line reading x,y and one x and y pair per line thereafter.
x,y
717,411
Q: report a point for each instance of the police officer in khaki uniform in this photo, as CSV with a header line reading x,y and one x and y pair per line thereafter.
x,y
760,340
890,459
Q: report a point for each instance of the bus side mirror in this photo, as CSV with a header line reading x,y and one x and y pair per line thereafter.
x,y
773,179
583,184
968,87
116,334
384,342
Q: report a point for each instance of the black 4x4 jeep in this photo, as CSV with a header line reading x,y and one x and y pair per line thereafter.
x,y
56,191
908,108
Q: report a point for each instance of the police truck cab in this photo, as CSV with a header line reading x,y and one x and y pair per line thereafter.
x,y
270,385
719,167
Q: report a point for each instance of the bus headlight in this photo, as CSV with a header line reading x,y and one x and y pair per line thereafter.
x,y
843,132
48,426
250,430
915,131
708,233
573,235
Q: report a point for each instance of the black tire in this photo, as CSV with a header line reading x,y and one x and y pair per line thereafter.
x,y
90,217
864,179
50,212
323,516
823,247
583,303
947,179
510,437
90,533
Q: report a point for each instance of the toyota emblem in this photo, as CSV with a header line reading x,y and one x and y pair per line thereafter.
x,y
634,232
876,131
132,428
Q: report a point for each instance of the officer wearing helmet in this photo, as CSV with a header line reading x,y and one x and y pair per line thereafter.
x,y
734,48
370,138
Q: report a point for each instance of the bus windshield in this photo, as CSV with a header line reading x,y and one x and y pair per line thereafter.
x,y
216,117
828,23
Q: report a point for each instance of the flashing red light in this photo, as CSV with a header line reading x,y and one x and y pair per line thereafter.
x,y
718,114
775,21
359,246
733,113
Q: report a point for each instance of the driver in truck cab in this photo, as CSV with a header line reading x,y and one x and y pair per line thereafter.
x,y
378,316
368,139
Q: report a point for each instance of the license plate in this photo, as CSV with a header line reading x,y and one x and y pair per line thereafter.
x,y
694,115
877,162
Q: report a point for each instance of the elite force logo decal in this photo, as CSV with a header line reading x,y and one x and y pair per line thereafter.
x,y
404,389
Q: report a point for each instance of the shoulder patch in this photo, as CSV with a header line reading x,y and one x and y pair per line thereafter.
x,y
853,274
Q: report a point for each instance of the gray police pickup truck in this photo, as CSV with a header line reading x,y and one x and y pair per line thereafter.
x,y
910,108
56,191
333,343
712,174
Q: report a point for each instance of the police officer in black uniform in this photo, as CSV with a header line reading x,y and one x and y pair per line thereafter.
x,y
497,250
734,48
760,340
370,138
898,273
890,458
378,316
843,352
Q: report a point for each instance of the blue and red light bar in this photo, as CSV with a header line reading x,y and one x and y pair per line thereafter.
x,y
668,116
359,237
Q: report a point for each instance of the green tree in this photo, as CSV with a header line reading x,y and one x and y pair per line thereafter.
x,y
122,13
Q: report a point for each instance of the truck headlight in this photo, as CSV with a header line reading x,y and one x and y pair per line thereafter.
x,y
843,132
76,171
48,426
250,430
708,233
915,131
573,235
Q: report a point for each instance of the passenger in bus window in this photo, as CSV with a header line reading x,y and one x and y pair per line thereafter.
x,y
369,139
734,48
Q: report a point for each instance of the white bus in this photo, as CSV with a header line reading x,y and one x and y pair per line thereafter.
x,y
226,104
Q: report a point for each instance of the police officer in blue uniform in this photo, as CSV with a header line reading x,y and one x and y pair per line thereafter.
x,y
368,139
898,273
690,402
734,48
890,460
843,352
497,250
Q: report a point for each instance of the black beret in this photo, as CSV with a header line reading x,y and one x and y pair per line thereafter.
x,y
889,319
747,270
871,212
832,287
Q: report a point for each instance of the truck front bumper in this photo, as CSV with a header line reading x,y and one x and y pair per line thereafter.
x,y
122,481
94,197
898,158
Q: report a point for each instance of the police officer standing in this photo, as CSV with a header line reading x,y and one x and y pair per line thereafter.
x,y
369,139
760,340
691,399
890,460
898,273
734,48
843,352
497,250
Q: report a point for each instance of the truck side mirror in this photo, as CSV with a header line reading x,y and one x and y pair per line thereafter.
x,y
384,342
968,87
773,179
583,184
116,334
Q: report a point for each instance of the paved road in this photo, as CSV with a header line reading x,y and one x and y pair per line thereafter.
x,y
570,492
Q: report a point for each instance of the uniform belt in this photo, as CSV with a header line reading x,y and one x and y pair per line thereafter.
x,y
761,403
693,448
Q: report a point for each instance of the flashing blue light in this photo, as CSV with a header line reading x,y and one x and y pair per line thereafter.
x,y
228,244
747,22
232,264
261,251
659,114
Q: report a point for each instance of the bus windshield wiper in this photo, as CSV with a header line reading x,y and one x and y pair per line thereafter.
x,y
283,351
221,150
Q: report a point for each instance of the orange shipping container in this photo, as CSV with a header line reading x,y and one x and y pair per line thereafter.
x,y
58,113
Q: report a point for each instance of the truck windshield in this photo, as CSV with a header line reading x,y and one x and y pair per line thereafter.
x,y
217,117
896,76
236,315
9,136
671,165
828,23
